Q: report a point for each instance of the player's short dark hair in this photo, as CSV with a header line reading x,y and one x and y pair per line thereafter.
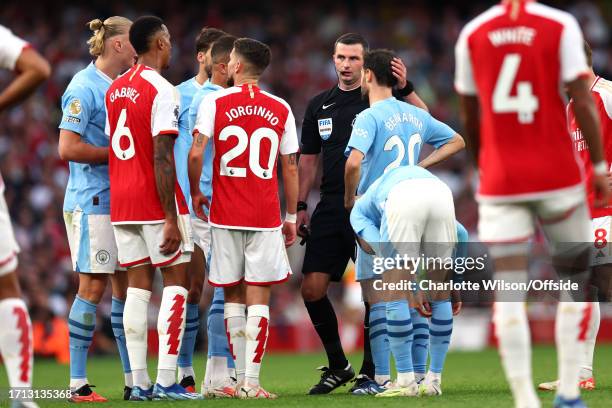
x,y
256,53
206,37
352,38
379,62
143,30
589,53
222,48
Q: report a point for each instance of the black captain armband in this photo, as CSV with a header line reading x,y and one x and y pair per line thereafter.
x,y
407,90
302,206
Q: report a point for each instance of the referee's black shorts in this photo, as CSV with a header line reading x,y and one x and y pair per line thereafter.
x,y
331,243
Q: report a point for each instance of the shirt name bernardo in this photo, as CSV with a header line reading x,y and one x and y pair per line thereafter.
x,y
125,92
250,110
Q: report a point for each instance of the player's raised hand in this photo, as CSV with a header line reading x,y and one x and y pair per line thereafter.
x,y
172,238
399,71
602,190
198,201
289,232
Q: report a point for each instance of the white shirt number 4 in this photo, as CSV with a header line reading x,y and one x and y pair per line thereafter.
x,y
525,103
120,131
254,145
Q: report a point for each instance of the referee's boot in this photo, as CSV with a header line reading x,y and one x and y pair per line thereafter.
x,y
332,379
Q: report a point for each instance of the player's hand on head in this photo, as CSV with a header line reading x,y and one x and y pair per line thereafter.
x,y
290,233
602,190
198,202
399,71
303,221
172,238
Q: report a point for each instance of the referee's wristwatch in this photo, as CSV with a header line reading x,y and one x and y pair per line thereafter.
x,y
302,206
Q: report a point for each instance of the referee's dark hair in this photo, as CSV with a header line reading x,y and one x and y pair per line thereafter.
x,y
379,62
352,38
206,37
221,48
142,31
255,53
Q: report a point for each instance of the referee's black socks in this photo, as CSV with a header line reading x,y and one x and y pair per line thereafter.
x,y
324,320
367,367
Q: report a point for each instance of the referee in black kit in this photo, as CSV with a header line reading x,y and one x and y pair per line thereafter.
x,y
327,128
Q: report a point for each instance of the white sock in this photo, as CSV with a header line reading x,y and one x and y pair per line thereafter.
x,y
128,380
433,377
258,317
16,342
573,321
170,328
512,331
185,372
586,369
135,325
208,372
418,377
381,379
405,379
219,371
140,378
235,325
76,383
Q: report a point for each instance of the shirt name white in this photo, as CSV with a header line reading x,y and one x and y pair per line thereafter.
x,y
129,92
250,110
405,117
517,35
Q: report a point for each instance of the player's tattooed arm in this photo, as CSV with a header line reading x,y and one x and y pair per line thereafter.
x,y
165,173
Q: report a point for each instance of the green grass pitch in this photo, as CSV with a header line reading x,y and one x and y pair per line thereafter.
x,y
471,380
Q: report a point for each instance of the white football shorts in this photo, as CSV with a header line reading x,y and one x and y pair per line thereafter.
x,y
92,243
138,244
8,245
257,257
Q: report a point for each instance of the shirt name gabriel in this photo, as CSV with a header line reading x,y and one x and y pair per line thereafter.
x,y
239,111
125,92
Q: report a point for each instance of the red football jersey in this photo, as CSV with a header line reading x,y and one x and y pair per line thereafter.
x,y
516,60
249,128
602,93
140,105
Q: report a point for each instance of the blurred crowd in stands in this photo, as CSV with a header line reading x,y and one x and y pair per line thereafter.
x,y
423,33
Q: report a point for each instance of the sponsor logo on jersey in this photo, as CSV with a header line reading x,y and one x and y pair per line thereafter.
x,y
325,128
75,107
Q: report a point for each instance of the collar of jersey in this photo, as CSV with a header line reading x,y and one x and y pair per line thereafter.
x,y
383,100
210,85
101,74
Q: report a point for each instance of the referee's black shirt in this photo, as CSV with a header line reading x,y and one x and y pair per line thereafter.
x,y
327,127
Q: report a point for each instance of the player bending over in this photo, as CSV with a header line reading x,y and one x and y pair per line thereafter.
x,y
195,271
601,259
511,63
388,134
16,334
408,211
87,203
148,211
220,378
249,128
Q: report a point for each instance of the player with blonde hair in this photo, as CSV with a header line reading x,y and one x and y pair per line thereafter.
x,y
87,203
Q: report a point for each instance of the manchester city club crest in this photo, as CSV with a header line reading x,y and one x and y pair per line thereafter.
x,y
325,128
102,257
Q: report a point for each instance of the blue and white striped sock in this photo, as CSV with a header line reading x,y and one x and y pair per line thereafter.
x,y
440,331
217,339
117,325
400,332
185,358
379,342
81,324
420,345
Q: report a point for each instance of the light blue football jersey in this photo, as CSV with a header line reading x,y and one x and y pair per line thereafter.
x,y
390,134
206,177
83,112
187,89
369,210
